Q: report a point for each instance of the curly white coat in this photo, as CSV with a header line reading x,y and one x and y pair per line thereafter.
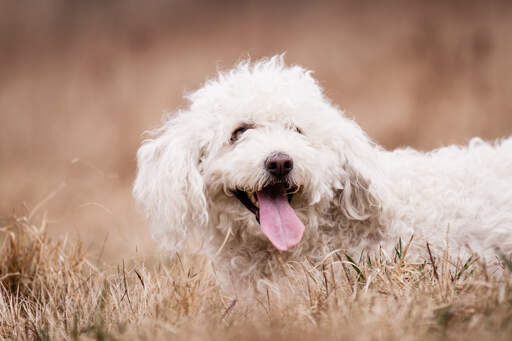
x,y
354,194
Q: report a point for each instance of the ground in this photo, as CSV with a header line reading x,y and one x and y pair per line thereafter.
x,y
50,289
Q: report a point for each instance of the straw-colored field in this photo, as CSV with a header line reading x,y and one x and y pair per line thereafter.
x,y
81,81
52,290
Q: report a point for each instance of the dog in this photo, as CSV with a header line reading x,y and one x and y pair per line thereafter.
x,y
262,168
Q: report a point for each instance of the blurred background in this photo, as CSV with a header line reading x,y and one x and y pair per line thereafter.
x,y
81,80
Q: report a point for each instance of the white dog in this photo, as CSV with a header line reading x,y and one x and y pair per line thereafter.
x,y
263,168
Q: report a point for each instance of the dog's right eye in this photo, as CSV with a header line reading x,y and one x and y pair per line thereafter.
x,y
238,132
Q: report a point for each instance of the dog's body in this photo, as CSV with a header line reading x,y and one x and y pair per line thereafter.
x,y
264,135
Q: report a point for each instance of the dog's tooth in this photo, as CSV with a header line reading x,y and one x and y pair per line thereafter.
x,y
254,200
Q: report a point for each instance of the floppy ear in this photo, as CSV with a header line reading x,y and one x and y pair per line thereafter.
x,y
360,197
168,184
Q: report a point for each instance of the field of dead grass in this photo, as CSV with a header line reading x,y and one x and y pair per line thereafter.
x,y
80,82
50,289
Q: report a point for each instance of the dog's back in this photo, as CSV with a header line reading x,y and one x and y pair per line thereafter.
x,y
457,194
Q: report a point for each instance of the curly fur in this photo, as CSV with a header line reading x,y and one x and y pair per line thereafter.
x,y
354,194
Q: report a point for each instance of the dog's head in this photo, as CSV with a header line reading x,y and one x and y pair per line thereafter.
x,y
258,148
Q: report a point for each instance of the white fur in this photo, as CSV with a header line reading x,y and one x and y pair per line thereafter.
x,y
354,194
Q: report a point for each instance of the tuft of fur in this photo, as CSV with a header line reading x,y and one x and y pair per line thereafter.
x,y
354,195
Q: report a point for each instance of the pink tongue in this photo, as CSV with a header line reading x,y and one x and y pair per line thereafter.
x,y
277,218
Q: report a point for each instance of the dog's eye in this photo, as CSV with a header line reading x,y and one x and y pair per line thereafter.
x,y
298,130
239,131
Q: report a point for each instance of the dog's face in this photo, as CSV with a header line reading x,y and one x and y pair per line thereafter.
x,y
268,166
258,148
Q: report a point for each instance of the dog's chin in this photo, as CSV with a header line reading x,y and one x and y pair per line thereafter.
x,y
271,205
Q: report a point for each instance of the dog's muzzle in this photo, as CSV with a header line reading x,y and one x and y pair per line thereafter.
x,y
271,204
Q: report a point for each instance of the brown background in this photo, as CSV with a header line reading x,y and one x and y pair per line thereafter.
x,y
80,82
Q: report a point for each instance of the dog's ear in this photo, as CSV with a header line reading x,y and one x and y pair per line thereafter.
x,y
359,198
169,185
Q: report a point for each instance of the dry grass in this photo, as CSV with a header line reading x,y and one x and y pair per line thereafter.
x,y
50,289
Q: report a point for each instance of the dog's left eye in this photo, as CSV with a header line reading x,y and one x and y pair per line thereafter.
x,y
239,131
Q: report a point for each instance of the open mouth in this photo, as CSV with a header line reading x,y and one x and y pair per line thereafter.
x,y
250,199
271,206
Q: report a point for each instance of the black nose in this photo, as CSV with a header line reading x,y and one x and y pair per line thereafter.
x,y
279,164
